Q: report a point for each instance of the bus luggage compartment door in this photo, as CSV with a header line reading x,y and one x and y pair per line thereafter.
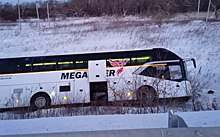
x,y
97,70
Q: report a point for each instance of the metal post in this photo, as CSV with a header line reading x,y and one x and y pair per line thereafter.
x,y
198,9
37,12
175,121
48,14
19,14
207,16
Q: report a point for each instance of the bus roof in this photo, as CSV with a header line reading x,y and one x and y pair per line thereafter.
x,y
76,53
162,51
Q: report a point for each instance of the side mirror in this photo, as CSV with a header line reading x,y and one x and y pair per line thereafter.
x,y
191,59
194,62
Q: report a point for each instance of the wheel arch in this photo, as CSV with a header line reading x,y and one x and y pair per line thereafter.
x,y
147,99
39,93
149,87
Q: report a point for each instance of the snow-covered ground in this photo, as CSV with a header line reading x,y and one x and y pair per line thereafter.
x,y
105,122
196,39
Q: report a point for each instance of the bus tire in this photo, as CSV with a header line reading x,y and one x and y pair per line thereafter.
x,y
40,100
147,96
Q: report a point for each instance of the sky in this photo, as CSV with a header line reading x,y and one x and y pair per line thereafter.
x,y
22,1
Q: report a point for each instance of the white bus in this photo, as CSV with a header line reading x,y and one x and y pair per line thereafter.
x,y
41,81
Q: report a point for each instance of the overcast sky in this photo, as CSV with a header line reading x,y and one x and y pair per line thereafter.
x,y
21,1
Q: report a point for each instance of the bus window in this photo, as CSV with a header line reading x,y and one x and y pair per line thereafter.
x,y
169,71
65,65
157,71
5,66
64,88
69,63
175,72
21,65
65,62
43,64
81,64
140,60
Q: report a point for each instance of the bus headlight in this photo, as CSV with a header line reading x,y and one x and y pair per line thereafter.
x,y
128,93
65,98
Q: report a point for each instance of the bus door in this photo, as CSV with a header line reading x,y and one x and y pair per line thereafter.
x,y
97,80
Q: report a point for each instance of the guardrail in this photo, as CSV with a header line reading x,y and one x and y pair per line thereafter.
x,y
168,132
175,121
176,128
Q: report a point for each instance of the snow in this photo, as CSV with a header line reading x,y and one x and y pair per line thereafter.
x,y
105,122
201,119
197,39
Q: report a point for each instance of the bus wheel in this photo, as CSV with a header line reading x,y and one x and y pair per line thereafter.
x,y
147,96
40,101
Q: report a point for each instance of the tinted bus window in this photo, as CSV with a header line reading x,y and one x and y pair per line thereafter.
x,y
81,64
171,71
65,63
21,65
175,72
140,60
5,66
44,64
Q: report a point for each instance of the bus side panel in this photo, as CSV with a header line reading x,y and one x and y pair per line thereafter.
x,y
46,88
19,93
64,90
14,96
82,93
112,84
127,81
120,84
165,88
5,95
31,89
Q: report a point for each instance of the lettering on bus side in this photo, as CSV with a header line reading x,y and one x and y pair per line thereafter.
x,y
73,75
78,75
110,73
6,77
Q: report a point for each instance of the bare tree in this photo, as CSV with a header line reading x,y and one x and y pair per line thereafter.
x,y
216,7
76,8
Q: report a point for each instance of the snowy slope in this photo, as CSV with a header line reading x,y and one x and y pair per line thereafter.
x,y
105,122
196,39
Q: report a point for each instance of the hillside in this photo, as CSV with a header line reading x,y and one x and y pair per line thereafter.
x,y
196,39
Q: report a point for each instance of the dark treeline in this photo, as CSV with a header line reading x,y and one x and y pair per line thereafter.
x,y
79,8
